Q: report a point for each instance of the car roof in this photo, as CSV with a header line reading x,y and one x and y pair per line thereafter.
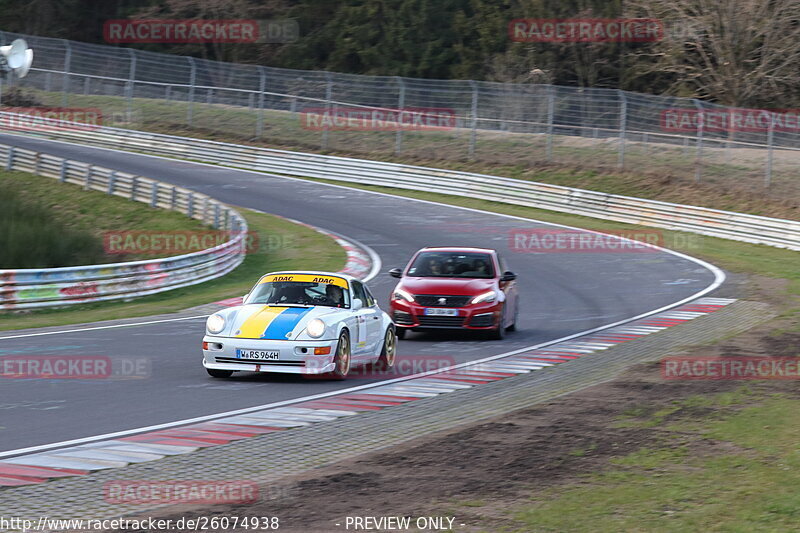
x,y
465,249
313,273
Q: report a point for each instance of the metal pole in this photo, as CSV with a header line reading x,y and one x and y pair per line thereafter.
x,y
262,86
474,130
131,75
698,171
328,96
623,126
192,80
551,107
65,80
401,102
770,135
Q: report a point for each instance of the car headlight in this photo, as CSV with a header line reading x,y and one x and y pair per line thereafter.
x,y
215,323
486,297
400,294
316,328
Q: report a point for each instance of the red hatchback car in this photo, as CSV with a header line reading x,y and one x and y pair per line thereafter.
x,y
455,288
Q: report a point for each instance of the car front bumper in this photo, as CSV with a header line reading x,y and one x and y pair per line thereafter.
x,y
220,353
411,315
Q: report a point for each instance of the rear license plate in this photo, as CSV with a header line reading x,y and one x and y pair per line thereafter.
x,y
260,355
438,311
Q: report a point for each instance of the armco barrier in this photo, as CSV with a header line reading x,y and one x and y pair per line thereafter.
x,y
724,224
55,287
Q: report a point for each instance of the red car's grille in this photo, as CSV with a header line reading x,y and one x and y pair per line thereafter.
x,y
442,321
430,300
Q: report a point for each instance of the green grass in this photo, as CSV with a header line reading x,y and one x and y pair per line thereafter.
x,y
38,212
752,488
284,245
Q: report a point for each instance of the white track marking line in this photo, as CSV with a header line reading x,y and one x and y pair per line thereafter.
x,y
94,328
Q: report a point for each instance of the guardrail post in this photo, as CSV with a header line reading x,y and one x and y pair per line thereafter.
x,y
216,216
86,80
262,86
131,80
192,81
551,108
328,96
62,173
474,133
167,92
205,210
112,179
623,125
134,182
173,201
401,102
698,163
770,136
154,194
10,158
37,161
65,79
190,206
87,180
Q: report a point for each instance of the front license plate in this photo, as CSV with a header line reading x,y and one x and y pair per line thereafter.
x,y
261,355
438,311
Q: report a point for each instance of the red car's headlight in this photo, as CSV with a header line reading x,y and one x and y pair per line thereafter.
x,y
400,294
486,297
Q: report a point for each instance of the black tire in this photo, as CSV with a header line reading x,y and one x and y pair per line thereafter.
x,y
513,326
499,332
388,352
400,333
342,359
219,373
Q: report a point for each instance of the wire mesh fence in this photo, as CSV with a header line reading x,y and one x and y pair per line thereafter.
x,y
457,120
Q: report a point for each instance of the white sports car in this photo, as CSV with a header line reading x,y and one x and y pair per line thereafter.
x,y
300,323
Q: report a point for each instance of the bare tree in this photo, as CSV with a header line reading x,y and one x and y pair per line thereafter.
x,y
736,52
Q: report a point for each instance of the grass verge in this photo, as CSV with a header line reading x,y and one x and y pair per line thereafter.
x,y
283,245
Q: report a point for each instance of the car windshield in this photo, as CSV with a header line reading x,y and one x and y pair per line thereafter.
x,y
304,293
452,265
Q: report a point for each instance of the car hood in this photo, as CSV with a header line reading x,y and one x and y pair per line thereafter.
x,y
446,286
258,321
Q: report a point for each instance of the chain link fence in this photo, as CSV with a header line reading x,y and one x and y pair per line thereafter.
x,y
497,123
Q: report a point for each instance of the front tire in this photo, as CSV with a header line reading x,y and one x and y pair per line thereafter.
x,y
513,326
499,332
342,358
220,374
388,352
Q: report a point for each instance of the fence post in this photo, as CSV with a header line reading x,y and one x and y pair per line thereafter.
x,y
328,96
87,183
154,194
112,178
551,108
770,135
473,133
698,170
190,206
623,127
216,216
192,81
401,102
131,76
134,182
62,173
65,79
262,86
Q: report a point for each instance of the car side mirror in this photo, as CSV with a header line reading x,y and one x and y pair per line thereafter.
x,y
357,304
396,273
508,276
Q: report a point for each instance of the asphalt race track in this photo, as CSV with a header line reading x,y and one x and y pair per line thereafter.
x,y
560,293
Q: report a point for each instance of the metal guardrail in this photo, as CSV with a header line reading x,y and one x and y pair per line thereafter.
x,y
56,287
724,224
